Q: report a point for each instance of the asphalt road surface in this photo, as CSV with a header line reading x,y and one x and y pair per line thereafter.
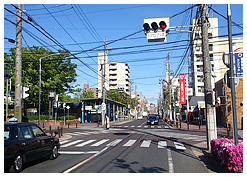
x,y
131,147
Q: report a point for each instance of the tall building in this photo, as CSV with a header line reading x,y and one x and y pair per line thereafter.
x,y
196,78
217,46
119,76
116,74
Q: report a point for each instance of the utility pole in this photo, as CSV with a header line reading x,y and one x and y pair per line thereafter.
x,y
232,82
103,87
130,99
135,103
18,64
169,83
207,76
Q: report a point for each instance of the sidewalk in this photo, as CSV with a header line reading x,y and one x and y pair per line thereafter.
x,y
221,131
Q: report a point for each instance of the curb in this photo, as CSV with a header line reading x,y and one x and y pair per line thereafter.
x,y
206,158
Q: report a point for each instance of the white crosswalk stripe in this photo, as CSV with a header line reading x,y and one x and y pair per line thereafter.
x,y
72,143
179,145
162,144
85,143
115,142
65,141
146,143
100,142
130,143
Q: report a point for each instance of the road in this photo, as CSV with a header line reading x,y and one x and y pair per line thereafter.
x,y
127,147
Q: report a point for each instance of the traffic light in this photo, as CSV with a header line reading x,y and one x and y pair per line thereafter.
x,y
154,26
146,27
162,25
156,29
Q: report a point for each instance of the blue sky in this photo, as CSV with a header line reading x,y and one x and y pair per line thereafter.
x,y
112,22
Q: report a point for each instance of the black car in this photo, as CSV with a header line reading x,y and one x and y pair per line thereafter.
x,y
152,119
25,142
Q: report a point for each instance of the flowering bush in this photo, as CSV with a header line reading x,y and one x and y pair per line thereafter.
x,y
228,153
167,119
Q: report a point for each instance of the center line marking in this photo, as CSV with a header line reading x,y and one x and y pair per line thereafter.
x,y
81,163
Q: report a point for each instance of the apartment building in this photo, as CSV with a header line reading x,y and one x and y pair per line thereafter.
x,y
217,46
117,75
196,77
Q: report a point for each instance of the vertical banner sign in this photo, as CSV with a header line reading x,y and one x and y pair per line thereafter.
x,y
182,88
239,64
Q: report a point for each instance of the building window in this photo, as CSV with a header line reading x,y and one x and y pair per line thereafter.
x,y
211,56
198,47
210,35
200,89
212,67
210,47
198,58
200,78
199,68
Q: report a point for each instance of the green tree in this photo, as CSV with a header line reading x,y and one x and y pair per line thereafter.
x,y
57,73
88,94
115,95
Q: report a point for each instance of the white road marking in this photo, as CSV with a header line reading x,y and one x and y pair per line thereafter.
x,y
132,126
65,141
179,145
159,126
85,143
72,143
162,144
145,126
77,152
84,161
152,126
100,142
145,143
130,143
170,161
115,142
139,126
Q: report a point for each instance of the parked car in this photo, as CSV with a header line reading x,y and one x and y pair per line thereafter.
x,y
152,119
25,142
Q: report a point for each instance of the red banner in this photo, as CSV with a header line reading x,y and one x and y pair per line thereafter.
x,y
182,88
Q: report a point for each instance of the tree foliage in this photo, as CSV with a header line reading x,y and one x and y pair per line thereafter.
x,y
88,94
115,95
57,73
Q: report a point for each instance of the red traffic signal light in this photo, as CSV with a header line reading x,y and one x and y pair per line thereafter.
x,y
154,26
162,25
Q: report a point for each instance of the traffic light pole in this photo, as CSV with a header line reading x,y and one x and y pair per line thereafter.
x,y
207,77
18,64
232,82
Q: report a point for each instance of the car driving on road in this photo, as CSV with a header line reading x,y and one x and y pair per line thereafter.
x,y
25,142
152,119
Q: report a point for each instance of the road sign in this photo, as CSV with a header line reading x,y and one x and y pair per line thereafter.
x,y
103,105
239,64
68,107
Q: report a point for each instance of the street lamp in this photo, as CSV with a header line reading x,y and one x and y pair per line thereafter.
x,y
40,79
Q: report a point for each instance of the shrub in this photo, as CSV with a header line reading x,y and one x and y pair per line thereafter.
x,y
228,153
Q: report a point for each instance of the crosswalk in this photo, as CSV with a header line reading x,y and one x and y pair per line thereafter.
x,y
121,142
139,126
